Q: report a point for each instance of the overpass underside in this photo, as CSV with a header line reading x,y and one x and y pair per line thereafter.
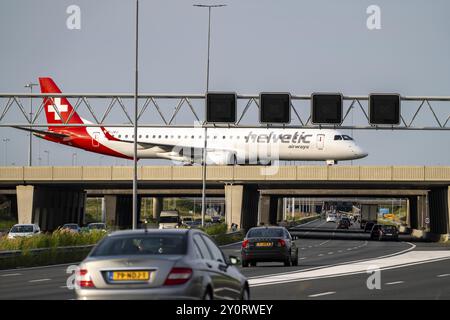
x,y
52,196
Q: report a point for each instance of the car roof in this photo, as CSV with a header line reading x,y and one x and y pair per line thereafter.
x,y
149,231
267,227
24,225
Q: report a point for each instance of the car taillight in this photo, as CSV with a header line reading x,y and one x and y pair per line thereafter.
x,y
178,276
281,243
245,244
83,279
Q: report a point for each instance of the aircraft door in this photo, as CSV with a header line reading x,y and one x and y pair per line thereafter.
x,y
95,138
320,141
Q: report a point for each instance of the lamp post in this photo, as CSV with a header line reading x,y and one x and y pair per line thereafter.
x,y
207,90
135,200
6,140
30,155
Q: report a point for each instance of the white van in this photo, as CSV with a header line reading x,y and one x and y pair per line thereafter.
x,y
169,219
23,230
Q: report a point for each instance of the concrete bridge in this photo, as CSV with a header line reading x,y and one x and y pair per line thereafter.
x,y
51,196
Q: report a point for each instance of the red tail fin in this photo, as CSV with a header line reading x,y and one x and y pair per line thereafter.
x,y
57,110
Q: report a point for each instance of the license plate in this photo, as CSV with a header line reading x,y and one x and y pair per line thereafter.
x,y
264,244
129,275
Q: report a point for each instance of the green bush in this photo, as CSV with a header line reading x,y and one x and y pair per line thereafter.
x,y
59,238
215,229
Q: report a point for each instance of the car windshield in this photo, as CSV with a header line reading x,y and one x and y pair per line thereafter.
x,y
389,228
347,137
70,226
168,219
22,229
97,226
153,244
265,232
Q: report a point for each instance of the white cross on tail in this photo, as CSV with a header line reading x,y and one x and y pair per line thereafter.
x,y
60,107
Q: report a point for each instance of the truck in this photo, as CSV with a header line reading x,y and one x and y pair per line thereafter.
x,y
169,219
369,213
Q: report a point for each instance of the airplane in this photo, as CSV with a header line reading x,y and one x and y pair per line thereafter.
x,y
185,145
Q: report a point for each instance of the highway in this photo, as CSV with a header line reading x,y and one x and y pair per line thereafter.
x,y
329,268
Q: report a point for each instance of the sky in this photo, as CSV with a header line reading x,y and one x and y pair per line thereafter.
x,y
256,45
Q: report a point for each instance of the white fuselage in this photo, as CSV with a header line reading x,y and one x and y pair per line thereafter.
x,y
249,145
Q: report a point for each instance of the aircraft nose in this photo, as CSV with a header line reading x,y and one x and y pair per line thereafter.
x,y
360,153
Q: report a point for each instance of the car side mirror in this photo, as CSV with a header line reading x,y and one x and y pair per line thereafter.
x,y
233,260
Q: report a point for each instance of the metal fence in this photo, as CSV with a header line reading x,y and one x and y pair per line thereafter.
x,y
164,108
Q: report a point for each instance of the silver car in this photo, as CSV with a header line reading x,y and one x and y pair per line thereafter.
x,y
159,264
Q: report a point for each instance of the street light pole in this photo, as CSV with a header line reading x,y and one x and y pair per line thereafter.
x,y
135,202
30,154
5,140
205,128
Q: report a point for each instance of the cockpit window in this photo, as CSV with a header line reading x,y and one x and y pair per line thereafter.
x,y
337,137
347,137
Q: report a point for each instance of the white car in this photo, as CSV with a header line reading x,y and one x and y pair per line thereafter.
x,y
331,218
23,230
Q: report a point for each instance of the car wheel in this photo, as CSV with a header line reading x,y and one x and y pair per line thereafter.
x,y
244,263
287,262
207,295
245,294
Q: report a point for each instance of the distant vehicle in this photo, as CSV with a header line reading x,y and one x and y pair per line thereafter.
x,y
369,212
267,244
369,225
97,226
23,230
71,227
331,217
381,232
216,219
344,223
193,224
169,219
159,264
186,219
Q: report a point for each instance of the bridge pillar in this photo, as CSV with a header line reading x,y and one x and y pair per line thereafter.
x,y
50,207
157,207
119,210
233,204
417,212
279,209
439,211
241,205
264,210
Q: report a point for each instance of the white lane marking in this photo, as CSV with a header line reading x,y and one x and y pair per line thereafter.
x,y
11,275
443,275
321,294
302,258
410,258
324,242
320,255
340,251
302,248
412,247
309,246
330,252
63,287
40,280
349,249
395,282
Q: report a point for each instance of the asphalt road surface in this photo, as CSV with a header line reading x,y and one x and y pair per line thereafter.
x,y
328,269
